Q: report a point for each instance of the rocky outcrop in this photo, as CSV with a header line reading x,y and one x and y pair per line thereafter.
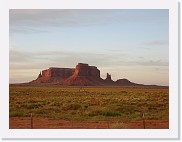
x,y
85,75
108,79
40,75
54,75
126,82
86,70
82,75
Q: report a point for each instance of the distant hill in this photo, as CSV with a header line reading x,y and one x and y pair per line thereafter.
x,y
82,75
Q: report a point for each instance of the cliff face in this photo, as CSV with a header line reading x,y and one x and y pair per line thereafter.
x,y
54,75
86,70
58,72
82,75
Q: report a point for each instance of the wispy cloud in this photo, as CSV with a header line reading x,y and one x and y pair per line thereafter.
x,y
37,60
156,43
152,63
34,60
39,20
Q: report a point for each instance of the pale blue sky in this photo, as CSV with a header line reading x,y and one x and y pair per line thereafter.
x,y
130,44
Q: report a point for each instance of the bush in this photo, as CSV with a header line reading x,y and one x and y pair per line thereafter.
x,y
73,106
42,111
104,113
16,114
32,106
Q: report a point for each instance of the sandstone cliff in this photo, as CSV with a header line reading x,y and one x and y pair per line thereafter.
x,y
54,75
85,75
82,75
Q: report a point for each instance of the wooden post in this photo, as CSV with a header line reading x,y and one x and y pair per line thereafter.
x,y
72,124
143,116
31,121
108,124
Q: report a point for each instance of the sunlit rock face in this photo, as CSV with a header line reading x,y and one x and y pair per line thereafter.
x,y
86,70
82,75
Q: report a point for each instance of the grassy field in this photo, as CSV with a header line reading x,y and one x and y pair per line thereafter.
x,y
124,104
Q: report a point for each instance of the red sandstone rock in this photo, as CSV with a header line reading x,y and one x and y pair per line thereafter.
x,y
126,82
108,77
54,75
108,80
86,70
40,75
82,75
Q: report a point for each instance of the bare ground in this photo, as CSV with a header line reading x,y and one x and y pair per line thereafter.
x,y
48,123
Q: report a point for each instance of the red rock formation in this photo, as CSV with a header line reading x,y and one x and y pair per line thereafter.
x,y
82,75
40,75
86,70
54,75
126,82
108,77
108,80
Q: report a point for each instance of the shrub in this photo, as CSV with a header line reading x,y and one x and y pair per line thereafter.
x,y
32,106
104,113
73,106
16,114
41,111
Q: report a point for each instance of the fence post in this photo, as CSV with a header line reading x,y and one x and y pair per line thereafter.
x,y
143,116
108,124
31,120
72,124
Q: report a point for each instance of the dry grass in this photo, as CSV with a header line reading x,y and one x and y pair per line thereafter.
x,y
94,103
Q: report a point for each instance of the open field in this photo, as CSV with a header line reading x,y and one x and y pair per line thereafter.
x,y
89,107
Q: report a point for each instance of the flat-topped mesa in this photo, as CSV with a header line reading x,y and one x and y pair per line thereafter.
x,y
86,70
54,75
82,75
58,72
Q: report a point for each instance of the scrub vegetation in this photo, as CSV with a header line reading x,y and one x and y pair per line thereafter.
x,y
123,104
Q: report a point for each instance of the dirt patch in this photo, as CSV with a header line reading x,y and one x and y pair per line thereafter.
x,y
48,123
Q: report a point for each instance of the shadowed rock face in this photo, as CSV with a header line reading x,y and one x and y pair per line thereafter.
x,y
82,75
108,80
108,77
54,75
126,82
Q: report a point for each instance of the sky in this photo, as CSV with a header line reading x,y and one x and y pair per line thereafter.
x,y
132,44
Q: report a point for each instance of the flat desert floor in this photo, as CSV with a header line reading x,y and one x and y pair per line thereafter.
x,y
99,107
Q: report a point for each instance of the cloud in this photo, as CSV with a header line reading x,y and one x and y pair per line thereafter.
x,y
156,43
45,59
152,63
40,20
37,60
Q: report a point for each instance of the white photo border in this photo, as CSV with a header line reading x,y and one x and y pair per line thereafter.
x,y
171,133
